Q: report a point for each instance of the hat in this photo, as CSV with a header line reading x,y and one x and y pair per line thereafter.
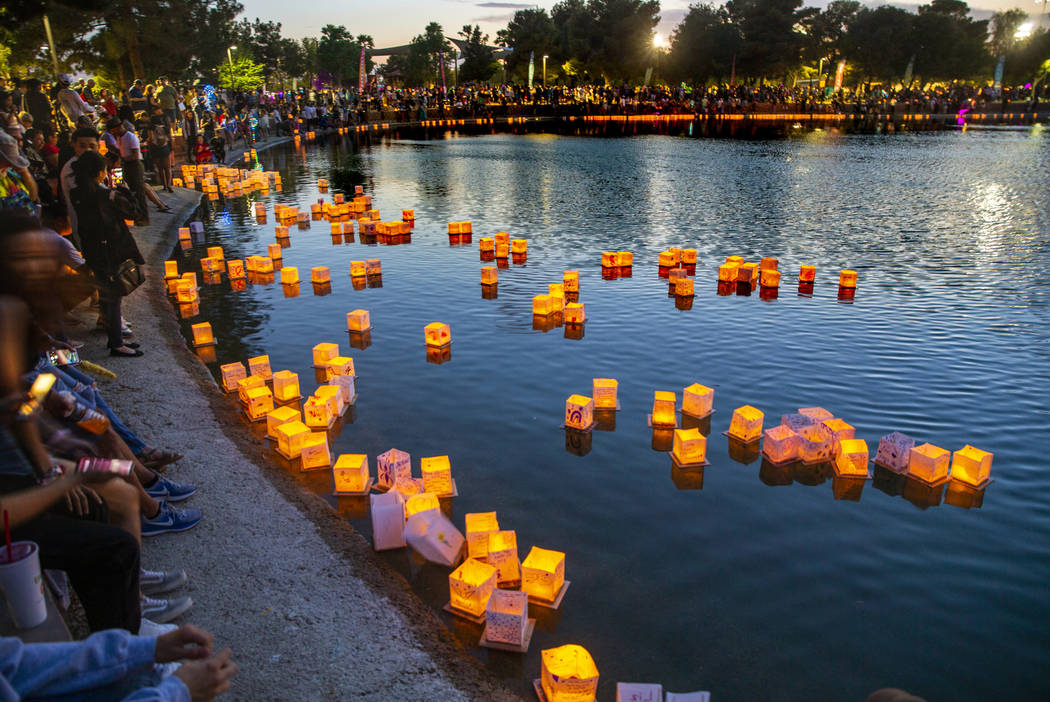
x,y
64,78
112,123
9,151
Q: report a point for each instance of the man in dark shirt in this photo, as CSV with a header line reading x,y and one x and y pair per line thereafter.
x,y
37,104
136,97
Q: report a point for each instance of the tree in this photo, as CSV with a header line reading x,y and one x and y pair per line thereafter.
x,y
880,42
530,31
703,45
825,30
425,55
771,43
262,41
951,44
244,74
611,40
1005,24
337,53
478,64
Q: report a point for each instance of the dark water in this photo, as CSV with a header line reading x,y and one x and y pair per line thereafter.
x,y
760,585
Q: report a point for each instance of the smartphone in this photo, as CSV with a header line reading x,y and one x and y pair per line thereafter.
x,y
63,357
114,466
39,390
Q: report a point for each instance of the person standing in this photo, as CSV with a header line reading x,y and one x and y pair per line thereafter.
x,y
137,98
73,106
36,103
134,173
168,99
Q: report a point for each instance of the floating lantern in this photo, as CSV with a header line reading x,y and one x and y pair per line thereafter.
x,y
698,400
216,252
315,453
568,674
542,305
246,384
317,413
357,269
507,617
437,334
746,424
337,228
185,291
667,259
184,233
543,574
664,413
423,502
727,273
780,444
358,321
210,265
358,189
320,274
202,335
747,273
332,395
769,278
278,416
684,287
769,264
674,275
487,244
503,555
339,365
285,386
392,466
852,459
604,393
972,466
818,414
265,266
408,487
437,475
350,473
303,218
519,246
324,352
260,403
689,447
388,521
235,268
848,279
571,281
610,259
894,451
489,275
260,366
408,215
470,586
274,252
478,527
231,373
689,257
373,267
289,275
322,183
315,209
579,412
171,269
502,250
928,463
465,228
815,443
575,313
840,431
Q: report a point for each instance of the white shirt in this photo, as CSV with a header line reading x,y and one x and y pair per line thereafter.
x,y
73,105
130,150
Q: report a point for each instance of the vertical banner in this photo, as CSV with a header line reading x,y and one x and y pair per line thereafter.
x,y
648,76
732,75
999,72
840,73
532,67
909,72
361,72
441,60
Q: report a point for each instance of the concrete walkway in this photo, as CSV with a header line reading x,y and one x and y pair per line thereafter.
x,y
275,573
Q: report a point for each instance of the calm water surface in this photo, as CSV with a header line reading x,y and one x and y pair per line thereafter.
x,y
760,584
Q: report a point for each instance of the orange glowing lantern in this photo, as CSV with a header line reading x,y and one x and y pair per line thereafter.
x,y
848,278
604,393
568,674
689,447
184,233
373,267
392,467
260,403
689,257
231,373
478,527
503,555
315,453
815,443
489,275
339,365
332,395
408,215
769,264
171,269
698,400
303,218
423,502
684,287
285,386
320,274
358,321
519,246
315,209
317,413
350,474
235,268
279,416
357,269
840,431
470,586
780,444
502,238
610,259
571,281
852,459
543,574
322,183
324,352
274,251
337,228
216,252
281,231
667,259
202,335
746,424
928,463
575,313
579,412
185,291
487,244
747,273
542,305
260,366
502,250
465,228
289,275
625,259
727,272
664,413
818,414
246,384
437,475
972,466
769,278
437,334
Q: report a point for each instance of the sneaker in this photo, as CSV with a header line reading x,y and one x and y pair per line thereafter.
x,y
163,611
169,519
148,628
170,491
154,582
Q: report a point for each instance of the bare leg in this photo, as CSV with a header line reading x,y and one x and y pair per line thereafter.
x,y
123,501
112,445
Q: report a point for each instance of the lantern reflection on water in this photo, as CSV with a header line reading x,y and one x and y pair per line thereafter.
x,y
568,674
470,587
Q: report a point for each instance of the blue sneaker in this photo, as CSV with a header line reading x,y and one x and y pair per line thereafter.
x,y
169,490
169,519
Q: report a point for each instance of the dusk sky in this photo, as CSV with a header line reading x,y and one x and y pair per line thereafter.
x,y
397,21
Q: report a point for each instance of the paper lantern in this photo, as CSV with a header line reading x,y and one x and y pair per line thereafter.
x,y
278,416
971,465
231,373
542,305
235,268
246,384
357,269
422,502
274,252
543,574
746,424
478,527
315,209
579,412
437,475
840,431
315,453
698,400
503,555
184,233
350,473
603,391
487,244
852,459
653,692
768,264
339,365
557,301
894,451
289,275
290,437
373,267
260,403
807,273
689,257
408,486
727,273
664,412
780,444
388,521
202,335
690,446
667,259
575,313
568,674
769,278
928,463
171,269
571,281
674,275
507,617
345,385
185,291
260,366
848,278
216,252
358,321
816,413
815,443
609,259
408,215
437,334
519,246
332,396
285,386
502,250
747,273
684,287
324,352
392,466
470,586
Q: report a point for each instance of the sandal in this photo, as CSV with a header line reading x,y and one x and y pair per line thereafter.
x,y
134,353
166,210
156,459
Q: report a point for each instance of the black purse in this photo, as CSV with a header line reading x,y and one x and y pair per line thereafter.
x,y
129,276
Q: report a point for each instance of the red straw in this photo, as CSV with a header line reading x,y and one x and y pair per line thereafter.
x,y
7,534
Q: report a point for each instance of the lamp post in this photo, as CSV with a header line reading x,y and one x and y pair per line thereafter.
x,y
229,57
1044,12
545,71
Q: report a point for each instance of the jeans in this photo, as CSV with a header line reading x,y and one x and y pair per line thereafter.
x,y
109,307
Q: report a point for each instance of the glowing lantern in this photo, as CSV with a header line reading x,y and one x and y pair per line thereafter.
x,y
339,365
780,444
667,259
357,269
437,334
609,259
579,412
274,252
746,424
489,275
769,278
373,267
285,386
727,273
422,502
322,184
465,228
568,674
358,321
260,366
331,395
664,409
478,526
815,443
503,555
470,586
279,416
184,233
290,438
603,391
928,463
358,190
289,275
625,259
388,521
852,460
684,287
895,451
324,352
519,246
747,273
246,384
689,257
571,281
171,269
392,466
738,260
202,335
575,313
185,291
408,487
211,265
542,305
818,414
315,209
437,475
502,250
350,473
674,275
768,264
320,274
235,268
848,279
698,400
408,215
281,231
315,453
543,574
337,229
507,617
260,403
487,244
216,252
231,373
971,465
840,431
690,446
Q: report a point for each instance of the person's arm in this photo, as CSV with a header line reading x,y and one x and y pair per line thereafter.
x,y
24,505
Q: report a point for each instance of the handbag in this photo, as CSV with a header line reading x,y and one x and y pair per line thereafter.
x,y
129,276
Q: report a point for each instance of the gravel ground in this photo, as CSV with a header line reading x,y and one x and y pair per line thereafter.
x,y
275,573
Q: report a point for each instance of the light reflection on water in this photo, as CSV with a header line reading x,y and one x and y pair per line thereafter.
x,y
760,581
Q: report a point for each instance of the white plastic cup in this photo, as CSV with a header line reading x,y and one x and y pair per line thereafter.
x,y
23,584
